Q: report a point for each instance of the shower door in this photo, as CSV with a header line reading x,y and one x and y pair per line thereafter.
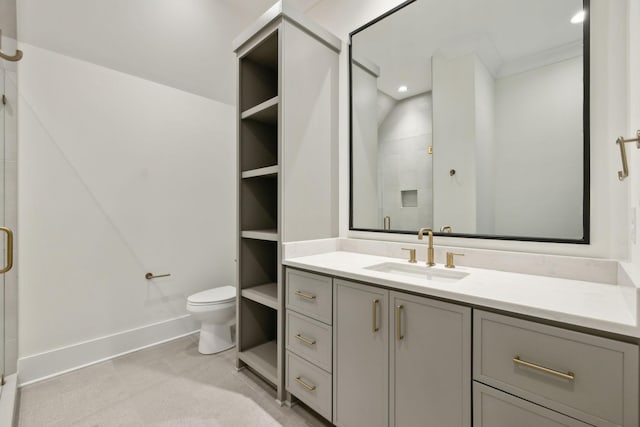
x,y
3,123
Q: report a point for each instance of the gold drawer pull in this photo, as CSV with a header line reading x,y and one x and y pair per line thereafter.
x,y
375,315
306,340
305,385
305,295
568,376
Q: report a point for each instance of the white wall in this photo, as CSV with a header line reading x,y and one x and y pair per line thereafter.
x,y
608,116
539,142
366,206
633,120
403,163
127,154
485,149
182,44
454,142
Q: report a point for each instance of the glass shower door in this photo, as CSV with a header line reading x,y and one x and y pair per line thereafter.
x,y
3,237
9,55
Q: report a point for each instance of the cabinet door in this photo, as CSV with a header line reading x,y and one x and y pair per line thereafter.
x,y
494,408
430,363
361,355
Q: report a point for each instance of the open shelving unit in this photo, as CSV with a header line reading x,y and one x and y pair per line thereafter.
x,y
287,129
259,183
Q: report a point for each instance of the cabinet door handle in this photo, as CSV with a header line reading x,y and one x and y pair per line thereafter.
x,y
305,385
399,322
306,340
375,315
305,295
568,376
9,249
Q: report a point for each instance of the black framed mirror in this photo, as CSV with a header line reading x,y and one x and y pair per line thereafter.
x,y
472,118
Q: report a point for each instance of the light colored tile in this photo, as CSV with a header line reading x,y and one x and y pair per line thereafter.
x,y
137,375
47,412
173,400
119,415
166,385
93,396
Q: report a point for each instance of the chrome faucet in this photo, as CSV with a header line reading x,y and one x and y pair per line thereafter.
x,y
430,261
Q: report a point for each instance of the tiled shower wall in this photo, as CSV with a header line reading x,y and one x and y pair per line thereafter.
x,y
404,164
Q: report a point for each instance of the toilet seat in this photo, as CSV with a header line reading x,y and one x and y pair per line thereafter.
x,y
221,295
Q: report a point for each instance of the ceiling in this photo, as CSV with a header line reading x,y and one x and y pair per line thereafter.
x,y
507,35
258,7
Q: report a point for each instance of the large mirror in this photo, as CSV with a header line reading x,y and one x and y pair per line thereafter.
x,y
473,115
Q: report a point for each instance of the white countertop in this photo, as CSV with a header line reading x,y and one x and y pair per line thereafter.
x,y
600,306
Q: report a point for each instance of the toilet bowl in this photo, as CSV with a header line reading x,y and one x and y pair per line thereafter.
x,y
216,310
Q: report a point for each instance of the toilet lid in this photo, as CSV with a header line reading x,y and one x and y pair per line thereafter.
x,y
214,296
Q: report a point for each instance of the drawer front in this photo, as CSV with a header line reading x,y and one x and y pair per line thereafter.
x,y
309,339
310,384
493,408
586,377
309,294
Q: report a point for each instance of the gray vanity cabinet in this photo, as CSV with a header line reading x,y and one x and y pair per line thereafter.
x,y
494,408
361,356
430,362
399,360
589,378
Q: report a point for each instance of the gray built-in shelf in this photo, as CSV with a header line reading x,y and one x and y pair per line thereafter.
x,y
268,171
266,294
263,359
269,234
287,144
267,112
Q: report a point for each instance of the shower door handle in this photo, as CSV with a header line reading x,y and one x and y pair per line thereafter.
x,y
9,249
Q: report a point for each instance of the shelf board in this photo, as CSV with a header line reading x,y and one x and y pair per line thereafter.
x,y
266,112
264,294
261,172
263,359
271,234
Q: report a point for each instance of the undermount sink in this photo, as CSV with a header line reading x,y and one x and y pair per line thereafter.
x,y
428,274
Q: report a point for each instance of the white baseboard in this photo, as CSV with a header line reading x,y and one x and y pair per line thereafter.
x,y
8,401
45,365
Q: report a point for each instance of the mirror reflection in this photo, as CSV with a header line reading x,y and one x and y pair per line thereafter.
x,y
469,114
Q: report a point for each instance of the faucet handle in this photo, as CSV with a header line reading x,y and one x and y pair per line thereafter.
x,y
412,255
450,256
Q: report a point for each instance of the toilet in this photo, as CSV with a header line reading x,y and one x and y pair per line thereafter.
x,y
216,310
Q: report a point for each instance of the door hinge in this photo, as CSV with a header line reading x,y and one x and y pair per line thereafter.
x,y
4,99
2,381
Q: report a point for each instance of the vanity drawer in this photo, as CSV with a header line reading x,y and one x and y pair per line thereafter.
x,y
587,377
309,339
309,294
494,408
310,384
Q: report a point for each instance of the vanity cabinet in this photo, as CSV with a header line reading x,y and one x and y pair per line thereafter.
x,y
407,359
309,340
402,360
430,362
589,378
495,408
361,355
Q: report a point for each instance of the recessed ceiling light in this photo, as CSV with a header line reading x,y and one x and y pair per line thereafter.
x,y
402,89
578,17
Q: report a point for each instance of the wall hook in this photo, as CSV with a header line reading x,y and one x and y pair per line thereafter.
x,y
623,154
